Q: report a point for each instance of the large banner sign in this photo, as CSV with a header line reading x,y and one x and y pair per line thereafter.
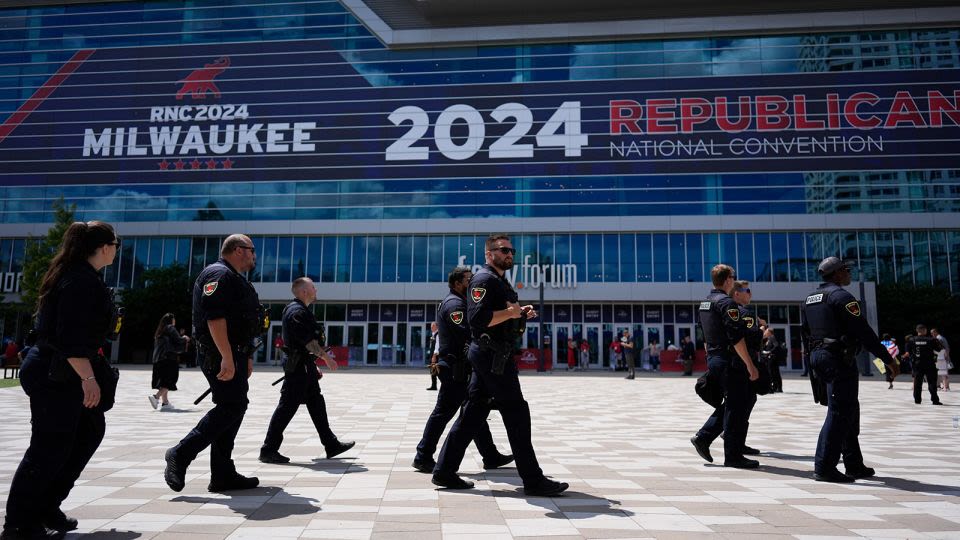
x,y
298,111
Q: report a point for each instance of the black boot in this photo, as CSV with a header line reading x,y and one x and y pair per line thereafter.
x,y
451,481
272,456
237,481
338,448
175,473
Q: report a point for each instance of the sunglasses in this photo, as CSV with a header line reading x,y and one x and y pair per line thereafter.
x,y
747,290
505,250
251,248
115,243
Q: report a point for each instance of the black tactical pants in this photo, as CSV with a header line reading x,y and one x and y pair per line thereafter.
x,y
299,388
841,428
732,417
452,396
503,392
928,371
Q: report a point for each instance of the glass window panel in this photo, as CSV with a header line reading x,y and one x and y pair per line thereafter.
x,y
127,262
728,250
390,274
169,251
561,244
798,261
831,244
197,254
420,256
155,255
762,262
298,267
628,258
547,253
848,245
938,251
678,254
451,253
525,245
17,254
284,259
328,269
315,258
781,259
257,274
694,242
644,258
468,249
140,260
745,268
921,258
660,258
269,258
711,253
435,271
405,258
867,255
594,258
6,254
578,253
901,248
815,250
885,259
358,271
183,251
611,258
953,241
344,248
374,259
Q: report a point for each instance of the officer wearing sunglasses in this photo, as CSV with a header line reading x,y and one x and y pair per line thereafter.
x,y
493,313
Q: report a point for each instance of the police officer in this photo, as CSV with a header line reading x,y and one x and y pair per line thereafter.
x,y
69,386
454,336
922,349
742,295
833,329
494,317
730,363
226,319
301,377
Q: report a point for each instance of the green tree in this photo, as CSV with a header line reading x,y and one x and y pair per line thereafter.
x,y
166,289
40,251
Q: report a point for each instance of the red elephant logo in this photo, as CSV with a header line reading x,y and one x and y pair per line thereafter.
x,y
198,83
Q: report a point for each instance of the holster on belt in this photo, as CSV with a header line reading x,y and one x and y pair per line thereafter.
x,y
502,352
459,367
295,359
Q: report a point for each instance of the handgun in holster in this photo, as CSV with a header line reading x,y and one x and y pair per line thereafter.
x,y
502,352
295,358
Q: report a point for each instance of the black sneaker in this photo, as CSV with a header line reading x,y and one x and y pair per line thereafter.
x,y
432,388
237,481
424,465
272,456
546,488
748,451
497,462
742,463
861,472
937,403
702,448
451,481
58,521
834,476
339,448
17,533
175,473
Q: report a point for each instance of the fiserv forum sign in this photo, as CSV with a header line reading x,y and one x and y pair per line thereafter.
x,y
299,111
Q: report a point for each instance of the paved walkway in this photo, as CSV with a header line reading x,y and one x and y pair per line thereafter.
x,y
622,445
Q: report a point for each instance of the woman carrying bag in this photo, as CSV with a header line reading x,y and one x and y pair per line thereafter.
x,y
167,346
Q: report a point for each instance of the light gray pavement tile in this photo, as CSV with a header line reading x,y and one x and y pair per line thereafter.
x,y
632,470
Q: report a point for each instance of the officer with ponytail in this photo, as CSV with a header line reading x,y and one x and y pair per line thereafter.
x,y
69,385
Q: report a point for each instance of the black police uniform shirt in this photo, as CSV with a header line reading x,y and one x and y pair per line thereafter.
x,y
452,329
923,349
299,328
720,318
221,292
752,334
76,314
489,292
832,312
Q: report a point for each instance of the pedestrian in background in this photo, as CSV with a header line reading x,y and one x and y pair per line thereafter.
x,y
167,346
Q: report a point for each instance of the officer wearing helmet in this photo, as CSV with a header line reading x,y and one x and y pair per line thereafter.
x,y
834,329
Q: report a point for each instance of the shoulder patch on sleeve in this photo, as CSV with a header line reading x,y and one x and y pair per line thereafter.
x,y
853,308
815,298
477,293
210,288
456,317
749,321
734,314
705,306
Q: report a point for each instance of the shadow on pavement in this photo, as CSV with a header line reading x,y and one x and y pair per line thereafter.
x,y
263,503
112,534
568,505
902,484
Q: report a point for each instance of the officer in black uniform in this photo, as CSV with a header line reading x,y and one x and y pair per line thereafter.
x,y
755,326
730,363
69,385
226,318
922,349
301,377
454,336
494,317
834,329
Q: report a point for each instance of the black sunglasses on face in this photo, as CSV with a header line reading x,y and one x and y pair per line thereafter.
x,y
251,248
506,250
115,243
747,290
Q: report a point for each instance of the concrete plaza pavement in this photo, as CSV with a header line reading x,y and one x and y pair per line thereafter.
x,y
622,445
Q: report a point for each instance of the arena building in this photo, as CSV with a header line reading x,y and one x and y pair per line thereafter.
x,y
372,145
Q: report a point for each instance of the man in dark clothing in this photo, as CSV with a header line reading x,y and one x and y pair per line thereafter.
x,y
432,354
771,351
834,328
301,377
495,317
688,352
226,319
922,349
454,375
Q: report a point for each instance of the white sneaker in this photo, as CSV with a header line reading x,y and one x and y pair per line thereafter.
x,y
154,402
166,407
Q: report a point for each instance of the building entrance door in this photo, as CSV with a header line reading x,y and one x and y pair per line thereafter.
x,y
355,344
562,332
417,344
592,334
653,334
388,344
